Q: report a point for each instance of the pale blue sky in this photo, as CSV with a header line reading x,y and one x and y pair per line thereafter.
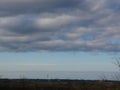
x,y
57,61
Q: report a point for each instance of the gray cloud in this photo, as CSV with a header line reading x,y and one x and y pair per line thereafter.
x,y
16,7
64,25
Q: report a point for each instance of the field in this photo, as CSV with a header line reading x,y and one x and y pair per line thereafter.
x,y
36,84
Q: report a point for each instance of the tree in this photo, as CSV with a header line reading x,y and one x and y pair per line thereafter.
x,y
117,63
1,76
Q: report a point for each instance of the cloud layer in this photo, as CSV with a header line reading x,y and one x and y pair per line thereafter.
x,y
60,25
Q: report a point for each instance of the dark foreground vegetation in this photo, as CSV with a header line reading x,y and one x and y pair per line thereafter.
x,y
36,84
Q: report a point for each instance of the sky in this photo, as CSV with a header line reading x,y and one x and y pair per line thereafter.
x,y
59,35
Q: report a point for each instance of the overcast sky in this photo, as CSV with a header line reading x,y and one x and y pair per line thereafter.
x,y
53,26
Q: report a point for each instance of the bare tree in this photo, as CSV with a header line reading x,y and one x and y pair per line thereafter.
x,y
117,75
117,63
1,76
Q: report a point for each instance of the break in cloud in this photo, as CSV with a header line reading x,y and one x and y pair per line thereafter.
x,y
60,25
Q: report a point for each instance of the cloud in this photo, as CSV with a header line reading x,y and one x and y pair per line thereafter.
x,y
55,22
16,7
64,25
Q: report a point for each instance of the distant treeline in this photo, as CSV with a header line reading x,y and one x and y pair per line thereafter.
x,y
57,84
